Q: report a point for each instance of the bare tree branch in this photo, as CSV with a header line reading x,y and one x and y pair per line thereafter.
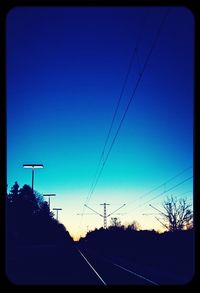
x,y
178,214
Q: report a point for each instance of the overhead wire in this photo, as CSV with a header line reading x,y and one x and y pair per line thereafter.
x,y
131,99
127,107
134,54
159,186
171,188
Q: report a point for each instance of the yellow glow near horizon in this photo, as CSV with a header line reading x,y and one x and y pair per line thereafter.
x,y
72,204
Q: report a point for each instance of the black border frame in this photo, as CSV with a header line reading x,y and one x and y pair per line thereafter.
x,y
5,7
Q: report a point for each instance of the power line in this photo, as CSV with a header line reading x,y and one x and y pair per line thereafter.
x,y
117,209
135,54
157,210
171,188
159,186
111,126
96,176
105,216
131,99
93,210
181,194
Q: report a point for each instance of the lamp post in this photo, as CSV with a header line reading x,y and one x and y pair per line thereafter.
x,y
49,195
57,209
33,167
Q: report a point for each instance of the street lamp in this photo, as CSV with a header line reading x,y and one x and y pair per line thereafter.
x,y
33,167
49,195
57,209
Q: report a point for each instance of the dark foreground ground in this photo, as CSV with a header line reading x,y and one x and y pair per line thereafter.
x,y
84,265
49,264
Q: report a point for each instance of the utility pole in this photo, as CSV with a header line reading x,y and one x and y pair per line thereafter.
x,y
104,214
57,209
49,195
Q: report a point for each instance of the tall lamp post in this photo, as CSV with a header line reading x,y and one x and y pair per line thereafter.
x,y
33,167
57,209
49,195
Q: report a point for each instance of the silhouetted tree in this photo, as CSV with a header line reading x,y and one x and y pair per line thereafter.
x,y
115,222
29,227
14,192
177,214
44,210
29,220
133,226
11,214
168,252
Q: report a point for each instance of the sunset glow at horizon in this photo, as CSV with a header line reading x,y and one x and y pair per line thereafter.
x,y
65,71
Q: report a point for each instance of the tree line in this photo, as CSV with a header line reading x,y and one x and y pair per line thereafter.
x,y
29,220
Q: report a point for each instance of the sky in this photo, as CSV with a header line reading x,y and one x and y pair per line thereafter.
x,y
65,69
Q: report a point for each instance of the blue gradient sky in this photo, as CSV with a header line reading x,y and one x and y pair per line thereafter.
x,y
65,71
